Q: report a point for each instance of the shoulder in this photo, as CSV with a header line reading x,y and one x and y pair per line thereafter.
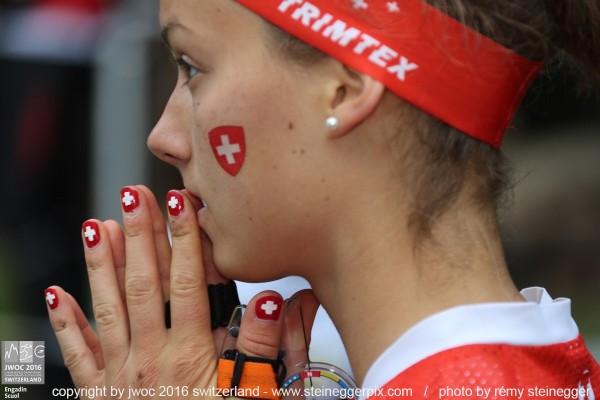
x,y
505,371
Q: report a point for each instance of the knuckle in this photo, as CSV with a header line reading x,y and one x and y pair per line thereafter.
x,y
180,229
73,359
94,264
185,284
259,344
106,315
58,324
132,228
139,289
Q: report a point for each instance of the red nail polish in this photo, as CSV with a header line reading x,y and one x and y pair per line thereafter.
x,y
269,308
91,234
130,199
175,203
51,298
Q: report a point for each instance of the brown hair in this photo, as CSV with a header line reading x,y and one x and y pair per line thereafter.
x,y
543,30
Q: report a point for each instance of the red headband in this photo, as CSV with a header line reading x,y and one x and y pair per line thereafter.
x,y
421,54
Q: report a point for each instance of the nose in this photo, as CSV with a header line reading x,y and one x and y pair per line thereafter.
x,y
170,140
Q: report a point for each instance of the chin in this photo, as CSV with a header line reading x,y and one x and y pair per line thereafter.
x,y
237,267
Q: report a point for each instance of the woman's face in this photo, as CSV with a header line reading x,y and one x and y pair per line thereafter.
x,y
264,219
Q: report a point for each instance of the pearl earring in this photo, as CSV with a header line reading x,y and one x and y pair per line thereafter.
x,y
332,123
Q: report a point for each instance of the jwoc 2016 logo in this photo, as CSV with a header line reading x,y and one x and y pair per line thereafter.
x,y
23,362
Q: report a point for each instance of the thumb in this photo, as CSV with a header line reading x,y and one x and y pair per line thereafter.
x,y
262,325
259,336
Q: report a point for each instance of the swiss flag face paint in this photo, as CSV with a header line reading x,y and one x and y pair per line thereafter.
x,y
229,147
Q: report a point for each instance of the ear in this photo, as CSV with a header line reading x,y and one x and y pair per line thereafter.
x,y
356,97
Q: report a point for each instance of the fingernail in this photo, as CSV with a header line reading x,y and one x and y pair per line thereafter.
x,y
269,308
51,298
130,199
175,203
91,234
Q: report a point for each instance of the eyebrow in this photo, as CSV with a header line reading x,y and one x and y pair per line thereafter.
x,y
172,24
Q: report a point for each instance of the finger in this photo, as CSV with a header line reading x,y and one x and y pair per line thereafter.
x,y
261,327
89,335
190,312
143,291
161,240
117,245
300,312
109,310
78,357
212,275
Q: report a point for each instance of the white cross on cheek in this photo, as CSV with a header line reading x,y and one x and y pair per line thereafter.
x,y
173,203
89,234
228,150
269,307
128,199
50,298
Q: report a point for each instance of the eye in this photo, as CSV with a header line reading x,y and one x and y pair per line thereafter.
x,y
184,66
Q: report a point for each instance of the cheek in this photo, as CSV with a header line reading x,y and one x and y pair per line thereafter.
x,y
254,213
252,224
232,133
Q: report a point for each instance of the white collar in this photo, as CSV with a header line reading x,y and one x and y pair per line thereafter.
x,y
538,321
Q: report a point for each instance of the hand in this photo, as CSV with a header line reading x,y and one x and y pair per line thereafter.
x,y
132,272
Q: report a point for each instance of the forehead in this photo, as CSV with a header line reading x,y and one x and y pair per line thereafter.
x,y
188,11
205,17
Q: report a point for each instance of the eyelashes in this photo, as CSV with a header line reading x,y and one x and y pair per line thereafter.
x,y
185,69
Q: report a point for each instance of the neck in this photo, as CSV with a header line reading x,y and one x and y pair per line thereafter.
x,y
378,284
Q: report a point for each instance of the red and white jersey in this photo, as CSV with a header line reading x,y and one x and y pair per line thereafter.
x,y
522,350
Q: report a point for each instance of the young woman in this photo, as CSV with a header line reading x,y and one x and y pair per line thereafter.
x,y
354,143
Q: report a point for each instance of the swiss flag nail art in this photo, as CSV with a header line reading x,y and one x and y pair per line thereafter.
x,y
130,199
91,234
51,298
229,147
175,203
269,308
